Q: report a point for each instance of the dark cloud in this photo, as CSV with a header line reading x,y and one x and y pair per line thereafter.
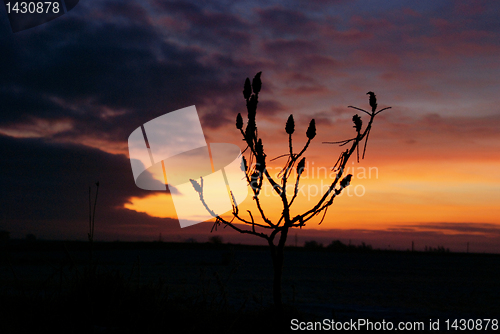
x,y
465,228
108,75
322,119
214,29
130,11
271,107
432,127
202,18
285,22
282,47
45,186
216,119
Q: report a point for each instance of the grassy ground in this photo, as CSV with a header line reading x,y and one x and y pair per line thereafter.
x,y
194,288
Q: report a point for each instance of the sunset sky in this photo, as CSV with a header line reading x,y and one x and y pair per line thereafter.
x,y
72,90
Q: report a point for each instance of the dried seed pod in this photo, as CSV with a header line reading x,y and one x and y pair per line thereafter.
x,y
373,101
244,165
252,107
250,132
260,165
254,180
311,130
247,89
257,83
239,122
196,186
357,122
301,166
259,147
346,181
290,125
235,204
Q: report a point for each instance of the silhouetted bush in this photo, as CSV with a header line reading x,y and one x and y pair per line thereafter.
x,y
365,247
313,244
275,232
438,249
338,246
216,240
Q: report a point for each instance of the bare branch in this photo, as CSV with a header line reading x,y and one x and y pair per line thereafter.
x,y
366,141
296,190
253,222
281,156
369,114
378,112
342,142
261,235
346,157
234,204
257,201
324,215
300,170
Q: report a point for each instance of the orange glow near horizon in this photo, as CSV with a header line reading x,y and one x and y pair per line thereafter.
x,y
396,194
156,205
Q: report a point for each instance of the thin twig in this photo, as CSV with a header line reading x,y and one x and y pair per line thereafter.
x,y
378,112
324,214
360,110
281,156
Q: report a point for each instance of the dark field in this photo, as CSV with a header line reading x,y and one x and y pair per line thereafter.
x,y
169,287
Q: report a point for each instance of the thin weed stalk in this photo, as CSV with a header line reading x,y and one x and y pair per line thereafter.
x,y
92,220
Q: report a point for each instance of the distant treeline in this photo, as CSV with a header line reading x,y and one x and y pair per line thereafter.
x,y
213,241
338,246
438,249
